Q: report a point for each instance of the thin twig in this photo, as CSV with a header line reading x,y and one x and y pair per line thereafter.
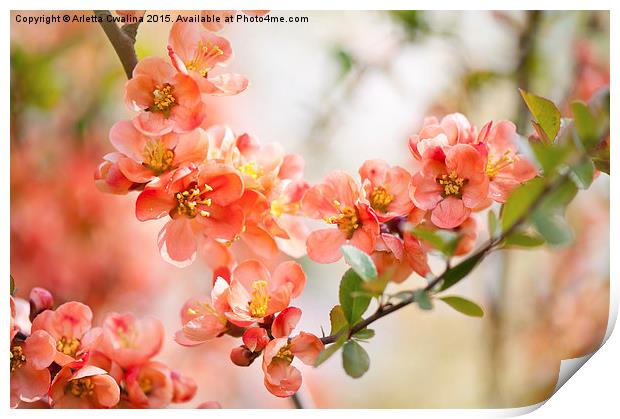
x,y
296,401
122,39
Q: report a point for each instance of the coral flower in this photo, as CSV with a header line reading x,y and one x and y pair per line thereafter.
x,y
452,129
200,201
70,327
184,388
202,319
505,168
109,178
386,188
83,387
281,378
149,386
165,99
337,201
129,341
196,51
451,182
30,378
148,157
255,293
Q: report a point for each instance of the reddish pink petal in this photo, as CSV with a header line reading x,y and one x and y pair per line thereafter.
x,y
289,274
324,245
177,243
450,213
306,347
39,349
285,322
153,203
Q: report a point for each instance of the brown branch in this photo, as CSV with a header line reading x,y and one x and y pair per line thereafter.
x,y
122,39
383,311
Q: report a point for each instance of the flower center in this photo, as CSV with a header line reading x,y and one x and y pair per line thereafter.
x,y
203,56
146,385
82,387
451,183
279,207
188,201
285,354
157,157
380,198
252,169
68,346
347,221
17,357
260,299
163,99
497,164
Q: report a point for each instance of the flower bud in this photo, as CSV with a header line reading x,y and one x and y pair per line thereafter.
x,y
109,178
255,339
184,388
242,356
40,300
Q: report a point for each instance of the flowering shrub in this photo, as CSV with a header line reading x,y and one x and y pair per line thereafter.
x,y
61,360
242,204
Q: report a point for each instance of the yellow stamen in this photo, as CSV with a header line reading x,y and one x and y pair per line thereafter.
x,y
347,221
380,198
82,387
252,169
260,299
285,353
279,207
17,357
68,346
202,60
146,385
497,164
163,99
188,201
157,157
451,183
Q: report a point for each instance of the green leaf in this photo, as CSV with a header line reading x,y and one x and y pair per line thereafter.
x,y
460,271
520,202
355,360
550,156
522,239
586,125
584,174
365,334
337,320
546,114
330,350
360,261
352,299
12,285
463,305
421,298
443,240
558,199
492,223
553,228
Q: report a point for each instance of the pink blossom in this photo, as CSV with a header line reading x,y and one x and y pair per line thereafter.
x,y
184,387
149,386
386,189
109,177
452,129
165,99
30,378
83,387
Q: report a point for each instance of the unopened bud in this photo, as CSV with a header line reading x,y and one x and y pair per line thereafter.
x,y
242,356
40,300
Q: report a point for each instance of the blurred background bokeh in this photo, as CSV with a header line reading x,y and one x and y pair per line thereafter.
x,y
340,89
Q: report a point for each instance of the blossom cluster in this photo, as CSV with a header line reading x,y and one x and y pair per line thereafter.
x,y
241,203
60,360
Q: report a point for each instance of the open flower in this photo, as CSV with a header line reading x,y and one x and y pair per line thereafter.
x,y
149,386
129,341
386,189
202,319
255,293
452,129
70,328
505,167
184,387
109,178
30,377
337,201
145,157
200,201
196,51
165,99
281,378
83,387
450,183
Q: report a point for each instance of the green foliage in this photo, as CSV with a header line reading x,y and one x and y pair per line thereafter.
x,y
588,131
492,223
365,334
330,350
520,202
553,228
463,305
359,261
355,360
12,285
421,298
460,271
443,240
411,20
337,320
546,115
584,174
345,60
522,239
550,157
353,300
